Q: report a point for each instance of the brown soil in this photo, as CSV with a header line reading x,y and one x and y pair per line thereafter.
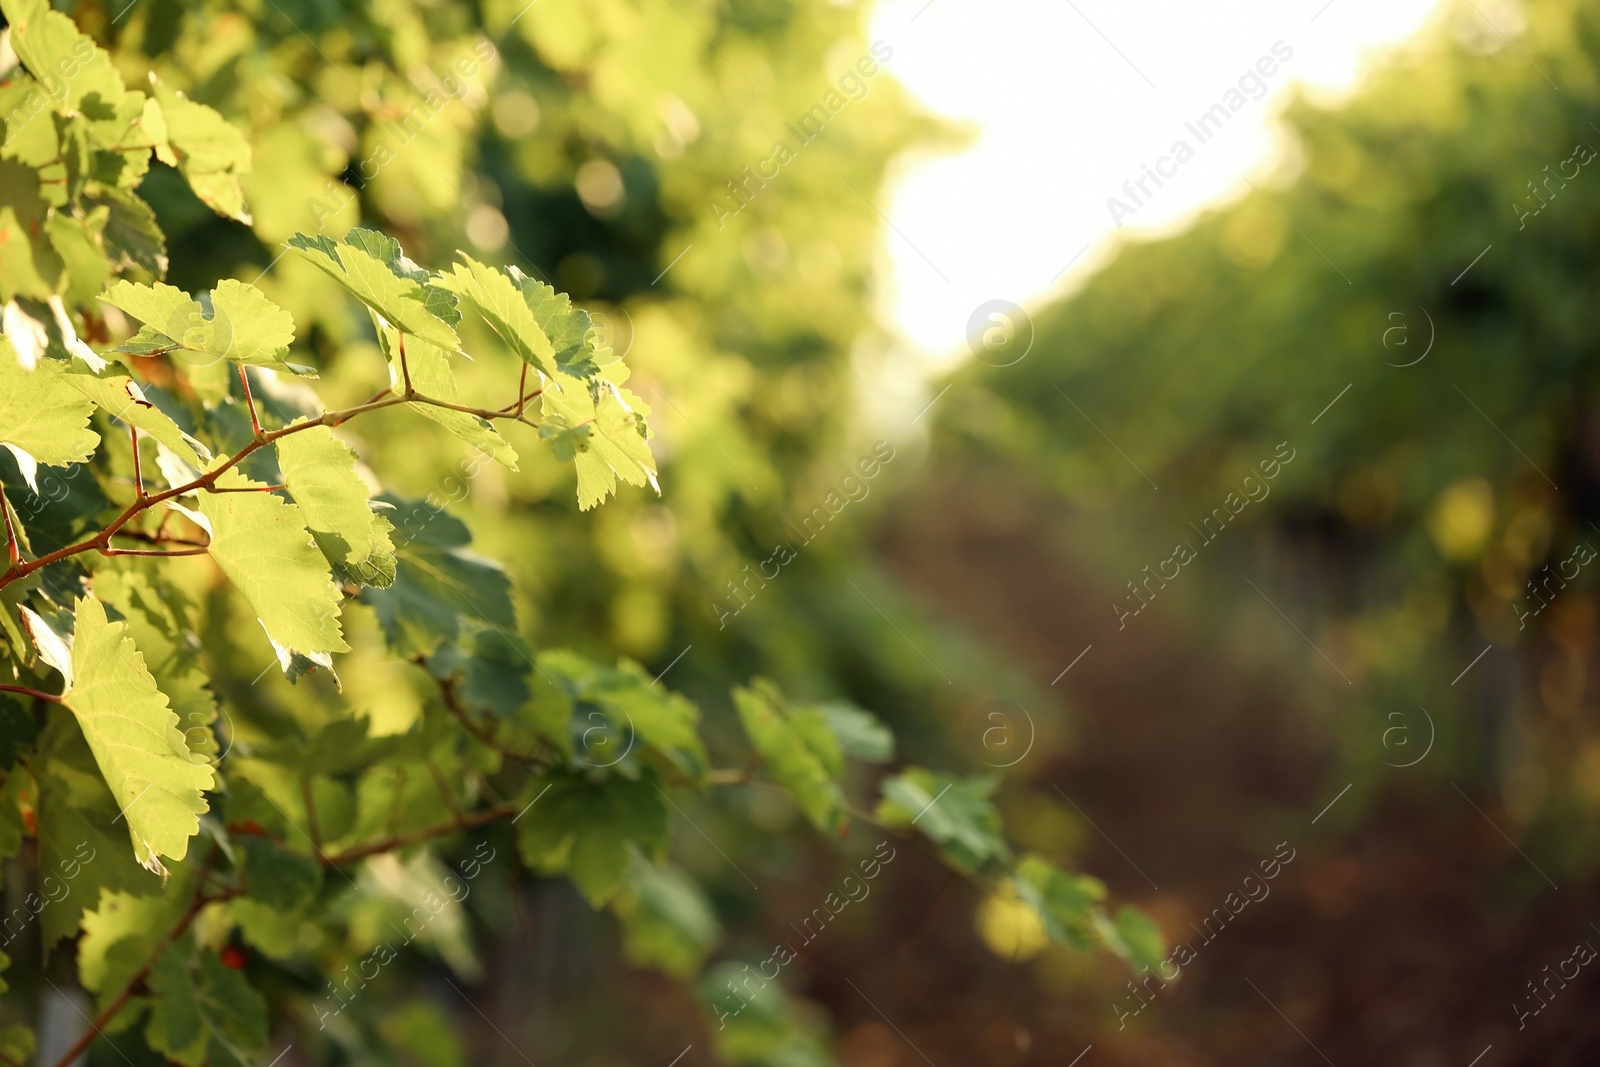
x,y
1404,938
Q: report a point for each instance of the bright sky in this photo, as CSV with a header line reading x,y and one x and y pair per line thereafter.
x,y
1068,100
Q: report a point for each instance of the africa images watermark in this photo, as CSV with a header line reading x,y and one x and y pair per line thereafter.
x,y
1182,954
1255,489
1582,554
34,904
832,905
55,84
397,135
813,522
1206,126
422,915
852,87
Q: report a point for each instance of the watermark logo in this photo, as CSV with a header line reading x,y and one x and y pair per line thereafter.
x,y
204,331
606,735
613,329
1000,731
1397,338
1398,741
999,333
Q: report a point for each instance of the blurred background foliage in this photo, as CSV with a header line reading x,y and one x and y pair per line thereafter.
x,y
1438,506
588,143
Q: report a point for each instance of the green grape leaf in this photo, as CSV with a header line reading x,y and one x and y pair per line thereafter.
x,y
660,720
372,267
29,266
541,325
78,242
29,126
121,142
43,419
261,543
17,1043
209,151
760,1024
1132,935
134,736
234,321
320,473
120,397
115,919
236,1015
798,750
276,934
177,1026
955,814
132,235
1066,903
81,76
616,444
667,922
276,878
589,831
81,848
512,303
157,617
438,583
859,733
492,670
420,1032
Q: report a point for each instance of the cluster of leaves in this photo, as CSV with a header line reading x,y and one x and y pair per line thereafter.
x,y
185,820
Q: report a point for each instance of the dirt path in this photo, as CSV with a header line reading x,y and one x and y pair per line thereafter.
x,y
1405,940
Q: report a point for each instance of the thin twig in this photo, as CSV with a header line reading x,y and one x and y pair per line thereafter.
x,y
156,538
114,1005
138,474
311,815
25,691
452,703
467,822
199,551
445,793
13,552
207,481
405,368
250,401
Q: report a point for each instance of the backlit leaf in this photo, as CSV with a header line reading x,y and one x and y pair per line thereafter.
x,y
210,152
42,415
803,757
234,321
954,813
371,266
261,543
134,735
320,473
589,831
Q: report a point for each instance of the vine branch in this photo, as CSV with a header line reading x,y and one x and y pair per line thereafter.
x,y
101,541
389,844
25,691
486,738
13,553
196,906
